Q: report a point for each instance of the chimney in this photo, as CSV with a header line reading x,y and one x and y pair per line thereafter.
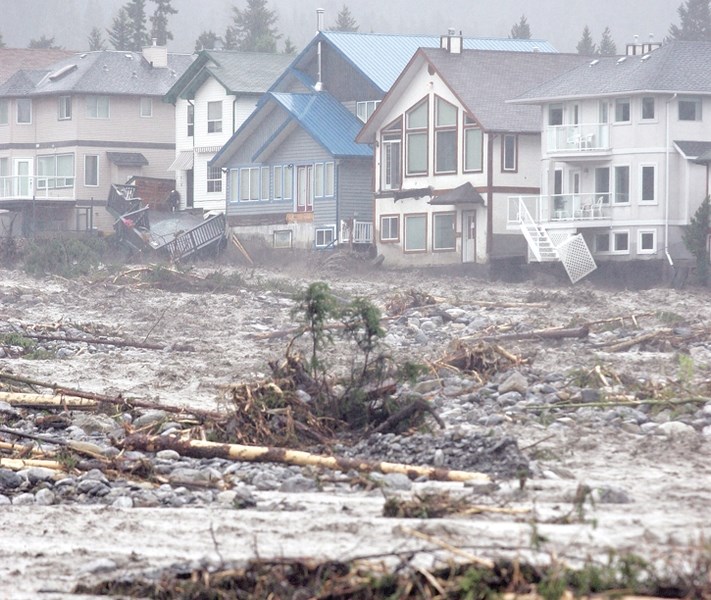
x,y
451,42
318,86
157,56
638,49
319,19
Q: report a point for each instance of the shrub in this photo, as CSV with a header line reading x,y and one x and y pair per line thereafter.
x,y
67,257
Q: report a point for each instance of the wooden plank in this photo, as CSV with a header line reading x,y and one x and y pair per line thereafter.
x,y
240,247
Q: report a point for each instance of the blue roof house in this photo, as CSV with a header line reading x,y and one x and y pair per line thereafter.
x,y
296,177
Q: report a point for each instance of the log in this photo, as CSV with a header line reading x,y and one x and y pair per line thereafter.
x,y
203,449
109,342
44,401
555,333
17,464
405,413
627,344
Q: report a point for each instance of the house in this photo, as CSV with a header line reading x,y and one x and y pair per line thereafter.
x,y
626,149
296,177
449,151
212,98
68,132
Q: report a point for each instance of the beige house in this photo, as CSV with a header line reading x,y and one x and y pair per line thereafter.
x,y
69,131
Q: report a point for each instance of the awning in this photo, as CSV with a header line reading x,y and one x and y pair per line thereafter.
x,y
464,194
127,159
182,162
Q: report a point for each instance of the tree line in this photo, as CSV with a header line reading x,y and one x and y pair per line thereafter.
x,y
254,29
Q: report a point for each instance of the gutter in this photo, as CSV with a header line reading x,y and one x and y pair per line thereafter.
x,y
666,185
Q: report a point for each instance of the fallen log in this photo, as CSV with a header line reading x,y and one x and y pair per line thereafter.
x,y
406,413
203,449
17,464
640,339
555,333
42,401
46,337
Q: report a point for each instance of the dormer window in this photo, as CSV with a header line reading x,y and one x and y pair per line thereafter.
x,y
214,117
365,109
416,122
445,137
391,156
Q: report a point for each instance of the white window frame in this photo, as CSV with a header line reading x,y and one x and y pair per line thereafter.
x,y
190,119
653,118
4,112
558,111
365,108
615,168
234,186
613,241
505,154
52,180
469,147
86,170
406,219
322,234
144,103
264,182
278,236
95,107
437,216
417,139
278,182
449,130
621,102
64,108
642,200
214,124
318,180
640,234
249,177
329,180
213,184
390,219
23,102
698,110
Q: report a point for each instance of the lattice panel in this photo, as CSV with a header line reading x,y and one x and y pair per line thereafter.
x,y
576,257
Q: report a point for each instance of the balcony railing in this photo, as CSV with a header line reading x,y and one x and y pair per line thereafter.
x,y
560,208
583,137
27,187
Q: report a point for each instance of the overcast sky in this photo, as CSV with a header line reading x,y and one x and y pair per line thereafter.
x,y
560,22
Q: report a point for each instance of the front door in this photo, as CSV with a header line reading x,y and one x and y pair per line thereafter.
x,y
304,192
23,177
469,236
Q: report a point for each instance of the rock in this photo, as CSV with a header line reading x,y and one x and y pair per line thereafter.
x,y
425,387
92,487
516,382
9,480
509,398
64,353
45,497
6,409
455,313
589,395
265,481
393,481
608,494
150,418
676,429
23,499
244,498
227,497
122,502
167,455
4,500
706,431
95,423
191,477
100,565
438,458
38,474
298,483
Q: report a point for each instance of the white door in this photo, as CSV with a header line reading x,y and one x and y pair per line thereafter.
x,y
22,171
469,236
304,192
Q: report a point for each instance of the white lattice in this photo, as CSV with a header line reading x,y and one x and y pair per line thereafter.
x,y
576,258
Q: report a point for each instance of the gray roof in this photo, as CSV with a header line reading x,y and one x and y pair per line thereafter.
x,y
677,66
103,72
127,159
462,194
693,150
14,59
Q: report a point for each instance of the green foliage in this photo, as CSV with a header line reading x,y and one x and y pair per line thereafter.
x,y
120,32
2,43
138,34
43,42
315,307
410,371
252,29
521,30
476,584
607,44
695,21
159,21
208,40
586,46
686,368
345,21
289,47
362,325
96,40
67,257
695,238
16,339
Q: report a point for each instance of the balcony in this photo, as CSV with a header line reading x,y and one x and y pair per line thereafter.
x,y
27,188
581,140
564,210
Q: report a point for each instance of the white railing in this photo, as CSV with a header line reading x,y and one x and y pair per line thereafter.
x,y
26,187
583,137
362,232
561,207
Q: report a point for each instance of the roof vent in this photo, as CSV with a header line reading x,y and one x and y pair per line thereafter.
x,y
621,60
134,75
645,57
59,73
594,62
129,56
105,68
82,55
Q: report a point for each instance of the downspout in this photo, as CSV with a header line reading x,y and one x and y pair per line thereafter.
x,y
490,196
667,187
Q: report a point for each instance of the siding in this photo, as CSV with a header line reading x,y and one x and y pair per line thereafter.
x,y
355,182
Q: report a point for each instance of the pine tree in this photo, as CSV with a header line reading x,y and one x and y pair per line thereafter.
x,y
521,30
695,238
2,43
252,28
289,48
120,32
208,40
43,42
586,46
136,11
607,44
96,40
695,21
159,21
345,21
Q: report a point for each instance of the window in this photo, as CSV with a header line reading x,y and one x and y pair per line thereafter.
x,y
509,160
330,180
282,238
647,242
649,183
389,228
365,109
621,242
146,107
56,171
602,242
264,183
91,170
622,185
648,107
318,180
278,183
415,233
445,137
65,108
602,183
555,114
390,156
24,111
416,121
288,182
622,110
325,236
473,145
97,107
604,112
214,179
443,234
249,184
283,182
214,117
191,120
689,108
4,112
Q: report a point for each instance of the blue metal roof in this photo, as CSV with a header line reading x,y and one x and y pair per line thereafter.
x,y
382,57
326,120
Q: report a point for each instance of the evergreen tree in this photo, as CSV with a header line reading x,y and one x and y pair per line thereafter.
x,y
607,44
586,46
208,40
96,40
252,28
159,21
345,21
289,48
136,11
695,238
695,21
2,44
120,32
43,42
521,30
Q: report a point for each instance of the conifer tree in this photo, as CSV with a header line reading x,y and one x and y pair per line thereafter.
x,y
2,43
586,46
345,21
696,238
96,40
521,30
120,32
607,44
289,48
695,21
136,11
159,21
253,28
43,42
208,40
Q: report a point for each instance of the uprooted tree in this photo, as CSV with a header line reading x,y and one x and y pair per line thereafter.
x,y
696,239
